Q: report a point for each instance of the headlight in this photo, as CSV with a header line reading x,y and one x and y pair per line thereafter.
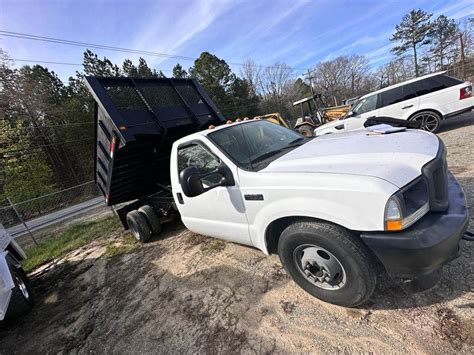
x,y
407,206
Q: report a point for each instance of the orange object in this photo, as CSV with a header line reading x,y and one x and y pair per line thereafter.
x,y
229,122
211,126
393,225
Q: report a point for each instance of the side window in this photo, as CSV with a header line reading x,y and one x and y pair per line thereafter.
x,y
396,95
365,105
447,81
198,156
427,86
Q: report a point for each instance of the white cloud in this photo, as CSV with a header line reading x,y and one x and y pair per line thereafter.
x,y
171,29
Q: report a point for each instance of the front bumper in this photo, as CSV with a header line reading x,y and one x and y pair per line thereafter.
x,y
428,244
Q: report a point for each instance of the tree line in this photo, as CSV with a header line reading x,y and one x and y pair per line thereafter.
x,y
46,125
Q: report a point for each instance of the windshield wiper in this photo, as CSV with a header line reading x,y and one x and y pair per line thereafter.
x,y
294,144
297,140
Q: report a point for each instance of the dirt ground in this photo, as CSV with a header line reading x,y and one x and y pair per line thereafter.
x,y
188,293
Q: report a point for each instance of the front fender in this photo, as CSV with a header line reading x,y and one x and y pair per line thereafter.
x,y
356,203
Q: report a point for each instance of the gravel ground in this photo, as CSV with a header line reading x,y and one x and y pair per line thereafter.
x,y
189,293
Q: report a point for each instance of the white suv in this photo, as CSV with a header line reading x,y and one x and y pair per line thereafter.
x,y
429,99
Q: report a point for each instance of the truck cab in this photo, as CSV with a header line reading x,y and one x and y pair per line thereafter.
x,y
323,203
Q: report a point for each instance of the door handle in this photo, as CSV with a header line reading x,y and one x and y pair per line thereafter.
x,y
180,198
338,127
405,107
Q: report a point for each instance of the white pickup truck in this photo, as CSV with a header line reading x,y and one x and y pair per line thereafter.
x,y
332,207
15,294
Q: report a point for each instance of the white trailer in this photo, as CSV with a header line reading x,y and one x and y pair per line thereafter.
x,y
15,294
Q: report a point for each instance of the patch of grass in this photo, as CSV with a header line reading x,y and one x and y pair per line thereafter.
x,y
122,246
72,238
213,247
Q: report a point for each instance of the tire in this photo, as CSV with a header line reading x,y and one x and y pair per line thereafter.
x,y
21,301
306,130
430,121
151,218
328,249
138,226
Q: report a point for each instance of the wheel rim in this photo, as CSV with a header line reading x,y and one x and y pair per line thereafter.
x,y
320,267
22,286
429,122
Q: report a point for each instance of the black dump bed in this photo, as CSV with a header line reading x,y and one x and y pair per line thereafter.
x,y
137,121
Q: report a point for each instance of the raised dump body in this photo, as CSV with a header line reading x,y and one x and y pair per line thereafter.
x,y
137,121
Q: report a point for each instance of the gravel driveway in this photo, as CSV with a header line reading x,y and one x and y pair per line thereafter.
x,y
189,293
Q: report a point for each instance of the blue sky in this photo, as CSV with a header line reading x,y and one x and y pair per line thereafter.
x,y
299,33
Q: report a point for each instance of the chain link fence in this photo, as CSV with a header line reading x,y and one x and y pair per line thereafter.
x,y
26,216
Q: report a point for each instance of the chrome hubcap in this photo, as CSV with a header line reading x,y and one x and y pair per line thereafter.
x,y
320,267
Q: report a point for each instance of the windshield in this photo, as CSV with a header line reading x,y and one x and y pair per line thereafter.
x,y
255,144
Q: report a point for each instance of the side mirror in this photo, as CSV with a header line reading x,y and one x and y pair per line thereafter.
x,y
227,177
350,114
191,179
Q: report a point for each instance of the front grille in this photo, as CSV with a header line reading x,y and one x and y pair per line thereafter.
x,y
436,175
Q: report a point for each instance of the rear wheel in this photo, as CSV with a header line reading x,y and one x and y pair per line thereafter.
x,y
138,226
430,121
328,262
306,130
151,218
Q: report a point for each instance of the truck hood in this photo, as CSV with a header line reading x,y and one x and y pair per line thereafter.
x,y
396,157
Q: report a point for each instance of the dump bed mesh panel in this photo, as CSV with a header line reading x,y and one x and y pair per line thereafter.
x,y
189,94
160,96
125,97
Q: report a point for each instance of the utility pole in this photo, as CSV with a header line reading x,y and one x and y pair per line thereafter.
x,y
310,77
463,71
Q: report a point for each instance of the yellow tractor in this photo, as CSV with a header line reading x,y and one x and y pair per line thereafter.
x,y
304,127
274,118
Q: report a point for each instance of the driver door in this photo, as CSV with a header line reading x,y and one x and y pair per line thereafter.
x,y
219,211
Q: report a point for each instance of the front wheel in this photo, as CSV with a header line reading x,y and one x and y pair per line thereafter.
x,y
328,262
430,121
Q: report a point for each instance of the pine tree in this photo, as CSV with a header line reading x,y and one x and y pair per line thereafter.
x,y
443,37
179,72
412,33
